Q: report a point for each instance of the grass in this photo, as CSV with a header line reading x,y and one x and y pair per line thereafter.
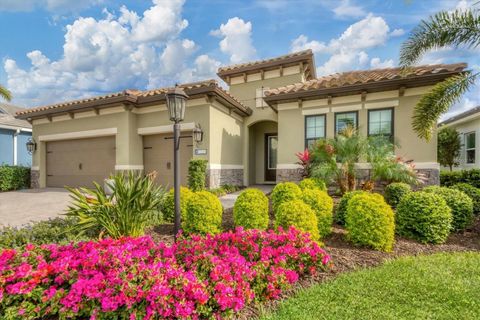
x,y
440,286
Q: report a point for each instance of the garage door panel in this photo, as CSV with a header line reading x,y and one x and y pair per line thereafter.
x,y
79,162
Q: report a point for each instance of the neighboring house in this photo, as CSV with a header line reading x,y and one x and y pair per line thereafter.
x,y
273,109
14,134
468,125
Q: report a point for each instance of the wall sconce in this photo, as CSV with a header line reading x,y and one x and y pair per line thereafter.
x,y
198,134
31,146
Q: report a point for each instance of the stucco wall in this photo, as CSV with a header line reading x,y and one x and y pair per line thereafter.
x,y
472,125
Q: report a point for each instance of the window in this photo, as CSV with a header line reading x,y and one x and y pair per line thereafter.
x,y
380,122
259,95
470,147
314,129
345,119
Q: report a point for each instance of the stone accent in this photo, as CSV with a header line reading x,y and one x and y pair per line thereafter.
x,y
34,179
294,175
431,177
218,177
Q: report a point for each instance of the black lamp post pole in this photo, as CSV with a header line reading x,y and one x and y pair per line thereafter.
x,y
176,175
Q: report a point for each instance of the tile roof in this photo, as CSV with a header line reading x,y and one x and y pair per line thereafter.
x,y
7,116
305,55
460,116
351,78
132,96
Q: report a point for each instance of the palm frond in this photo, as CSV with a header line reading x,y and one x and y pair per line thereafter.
x,y
5,93
458,28
433,104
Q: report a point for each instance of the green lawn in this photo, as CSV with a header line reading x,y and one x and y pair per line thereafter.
x,y
441,286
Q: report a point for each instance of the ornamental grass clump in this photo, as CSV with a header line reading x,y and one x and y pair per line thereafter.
x,y
424,216
394,192
322,204
203,214
460,204
370,222
202,277
251,210
298,214
283,192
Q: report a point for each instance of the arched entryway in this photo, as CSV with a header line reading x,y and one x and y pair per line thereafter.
x,y
263,145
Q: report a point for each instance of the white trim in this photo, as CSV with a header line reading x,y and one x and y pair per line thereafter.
x,y
35,168
15,147
128,167
463,120
382,104
288,166
26,130
310,112
365,165
427,165
3,126
353,107
79,134
219,166
165,129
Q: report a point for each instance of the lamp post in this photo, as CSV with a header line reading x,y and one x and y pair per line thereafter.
x,y
176,100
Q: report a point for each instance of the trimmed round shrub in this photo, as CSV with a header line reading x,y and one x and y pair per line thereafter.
x,y
312,183
459,202
168,207
424,216
394,192
322,205
203,214
251,210
298,214
472,192
284,192
370,222
341,209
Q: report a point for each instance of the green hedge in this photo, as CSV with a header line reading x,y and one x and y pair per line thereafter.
x,y
341,209
251,210
197,172
283,192
168,206
14,178
322,205
203,214
472,192
394,192
450,178
298,214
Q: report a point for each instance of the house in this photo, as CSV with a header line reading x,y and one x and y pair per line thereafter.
x,y
468,125
273,108
14,134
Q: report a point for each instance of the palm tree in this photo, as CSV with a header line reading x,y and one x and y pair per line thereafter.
x,y
457,29
5,93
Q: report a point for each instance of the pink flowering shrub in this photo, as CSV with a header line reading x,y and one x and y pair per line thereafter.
x,y
136,278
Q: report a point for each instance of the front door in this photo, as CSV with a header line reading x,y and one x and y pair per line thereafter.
x,y
271,146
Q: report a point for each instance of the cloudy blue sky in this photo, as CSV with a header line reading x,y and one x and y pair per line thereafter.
x,y
54,50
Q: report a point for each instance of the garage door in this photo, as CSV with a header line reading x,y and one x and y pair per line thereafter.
x,y
158,156
79,162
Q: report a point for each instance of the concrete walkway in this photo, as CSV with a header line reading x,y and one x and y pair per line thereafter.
x,y
229,200
23,206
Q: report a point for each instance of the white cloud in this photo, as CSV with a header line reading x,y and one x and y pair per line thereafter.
x,y
377,63
206,66
56,6
348,52
348,10
397,33
111,54
237,39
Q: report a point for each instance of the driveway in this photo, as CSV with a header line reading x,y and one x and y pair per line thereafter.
x,y
21,207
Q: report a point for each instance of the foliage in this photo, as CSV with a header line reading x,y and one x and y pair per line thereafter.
x,y
460,28
449,145
203,214
438,286
322,204
394,192
460,204
312,183
14,178
225,189
57,230
5,93
168,205
197,172
341,209
251,210
472,192
370,222
304,160
424,216
472,177
136,278
298,214
283,192
131,207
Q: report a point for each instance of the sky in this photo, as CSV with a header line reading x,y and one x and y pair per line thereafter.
x,y
57,50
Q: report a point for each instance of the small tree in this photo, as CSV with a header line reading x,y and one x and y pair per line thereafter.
x,y
449,145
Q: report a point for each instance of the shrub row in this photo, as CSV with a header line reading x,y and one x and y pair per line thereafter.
x,y
197,172
14,178
207,277
450,178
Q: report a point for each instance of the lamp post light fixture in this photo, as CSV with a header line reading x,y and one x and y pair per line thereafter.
x,y
198,134
31,146
176,100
